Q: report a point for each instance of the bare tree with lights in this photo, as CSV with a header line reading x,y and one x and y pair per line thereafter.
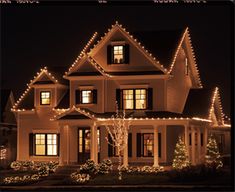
x,y
118,131
181,158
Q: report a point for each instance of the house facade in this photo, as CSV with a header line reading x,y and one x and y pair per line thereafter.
x,y
63,115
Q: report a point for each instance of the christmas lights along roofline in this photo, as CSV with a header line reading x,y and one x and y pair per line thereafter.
x,y
186,34
29,87
102,39
213,99
64,112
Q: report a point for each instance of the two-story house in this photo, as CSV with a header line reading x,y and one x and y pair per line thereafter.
x,y
63,116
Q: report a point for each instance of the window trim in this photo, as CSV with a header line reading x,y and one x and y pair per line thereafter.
x,y
143,145
34,145
41,98
134,98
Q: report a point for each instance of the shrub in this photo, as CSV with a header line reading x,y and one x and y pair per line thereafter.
x,y
89,167
104,167
43,171
16,165
80,178
144,169
21,179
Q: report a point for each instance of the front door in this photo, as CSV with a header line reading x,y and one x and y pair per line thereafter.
x,y
84,144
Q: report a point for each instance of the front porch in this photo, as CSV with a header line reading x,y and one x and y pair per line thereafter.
x,y
193,131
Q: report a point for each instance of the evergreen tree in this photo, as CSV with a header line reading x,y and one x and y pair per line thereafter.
x,y
181,158
213,158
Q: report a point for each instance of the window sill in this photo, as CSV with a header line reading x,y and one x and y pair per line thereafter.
x,y
86,104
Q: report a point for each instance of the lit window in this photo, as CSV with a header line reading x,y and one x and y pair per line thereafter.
x,y
46,144
87,141
40,144
118,54
128,99
134,99
140,98
45,98
87,96
51,144
148,144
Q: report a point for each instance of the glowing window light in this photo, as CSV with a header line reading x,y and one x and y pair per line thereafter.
x,y
51,144
40,144
45,98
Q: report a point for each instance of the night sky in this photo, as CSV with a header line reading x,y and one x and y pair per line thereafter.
x,y
38,35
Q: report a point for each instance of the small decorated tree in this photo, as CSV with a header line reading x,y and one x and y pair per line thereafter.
x,y
118,131
181,158
213,158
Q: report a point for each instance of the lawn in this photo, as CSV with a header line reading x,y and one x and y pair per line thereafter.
x,y
162,178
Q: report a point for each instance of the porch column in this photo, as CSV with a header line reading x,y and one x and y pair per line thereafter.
x,y
94,151
155,146
66,127
186,136
61,144
205,137
193,145
125,154
198,145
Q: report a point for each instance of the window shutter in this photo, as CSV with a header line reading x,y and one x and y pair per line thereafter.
x,y
138,144
110,147
31,144
150,98
126,54
201,139
95,96
58,144
159,145
109,54
77,96
129,145
119,98
190,139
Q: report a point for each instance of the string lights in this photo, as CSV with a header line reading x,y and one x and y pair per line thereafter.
x,y
29,87
212,108
135,42
186,33
82,53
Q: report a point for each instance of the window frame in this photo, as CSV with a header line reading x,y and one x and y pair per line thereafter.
x,y
46,144
81,96
113,54
143,144
44,98
134,98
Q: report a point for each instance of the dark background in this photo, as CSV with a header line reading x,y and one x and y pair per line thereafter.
x,y
52,34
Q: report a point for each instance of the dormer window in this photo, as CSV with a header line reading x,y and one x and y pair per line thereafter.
x,y
118,53
86,96
45,98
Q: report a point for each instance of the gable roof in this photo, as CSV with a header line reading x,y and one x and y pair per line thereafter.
x,y
26,100
74,113
135,42
200,103
162,43
83,52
